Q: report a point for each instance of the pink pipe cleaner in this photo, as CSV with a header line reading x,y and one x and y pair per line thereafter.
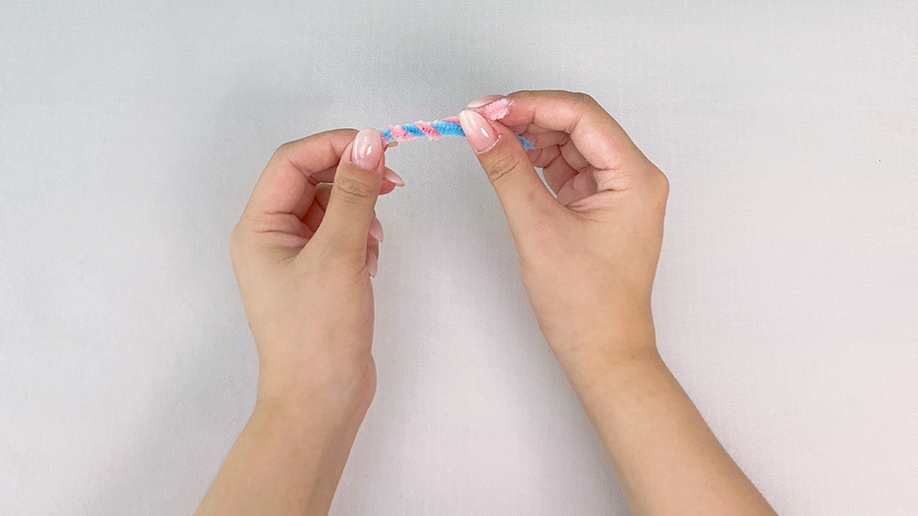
x,y
447,126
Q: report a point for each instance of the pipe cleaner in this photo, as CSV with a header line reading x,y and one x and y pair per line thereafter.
x,y
447,126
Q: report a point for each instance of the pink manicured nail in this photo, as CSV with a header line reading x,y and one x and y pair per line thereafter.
x,y
367,149
376,229
480,133
372,264
484,100
392,177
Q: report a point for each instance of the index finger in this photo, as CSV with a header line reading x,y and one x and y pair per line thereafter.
x,y
593,131
295,168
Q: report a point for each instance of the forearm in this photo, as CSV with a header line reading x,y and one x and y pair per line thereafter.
x,y
286,461
667,459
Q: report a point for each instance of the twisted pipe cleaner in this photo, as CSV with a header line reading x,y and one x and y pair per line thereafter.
x,y
447,126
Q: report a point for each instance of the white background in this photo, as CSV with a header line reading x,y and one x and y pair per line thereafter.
x,y
786,301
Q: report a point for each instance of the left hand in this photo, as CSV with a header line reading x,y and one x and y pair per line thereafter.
x,y
304,252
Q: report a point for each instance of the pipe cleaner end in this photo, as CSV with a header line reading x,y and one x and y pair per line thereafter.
x,y
495,110
527,145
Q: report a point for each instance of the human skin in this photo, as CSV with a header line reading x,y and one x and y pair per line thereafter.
x,y
588,257
304,255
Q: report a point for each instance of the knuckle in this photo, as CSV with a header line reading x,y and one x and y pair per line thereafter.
x,y
585,100
502,167
664,184
235,243
352,189
523,94
659,184
282,150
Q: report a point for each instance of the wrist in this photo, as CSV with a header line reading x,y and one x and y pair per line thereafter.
x,y
289,437
601,367
317,419
619,339
335,397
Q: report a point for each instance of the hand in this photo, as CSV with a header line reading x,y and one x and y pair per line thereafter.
x,y
304,252
588,257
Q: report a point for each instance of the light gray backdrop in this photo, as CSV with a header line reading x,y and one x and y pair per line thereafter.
x,y
786,302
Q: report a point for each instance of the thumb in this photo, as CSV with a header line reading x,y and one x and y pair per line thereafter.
x,y
355,188
519,188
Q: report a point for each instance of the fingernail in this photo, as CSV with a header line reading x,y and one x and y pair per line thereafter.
x,y
367,149
479,131
372,264
392,177
483,100
376,229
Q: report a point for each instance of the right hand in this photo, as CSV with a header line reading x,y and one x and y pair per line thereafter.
x,y
588,256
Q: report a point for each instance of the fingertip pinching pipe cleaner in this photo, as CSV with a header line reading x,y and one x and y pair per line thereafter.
x,y
446,126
